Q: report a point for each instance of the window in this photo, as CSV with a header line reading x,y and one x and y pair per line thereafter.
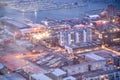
x,y
96,65
89,67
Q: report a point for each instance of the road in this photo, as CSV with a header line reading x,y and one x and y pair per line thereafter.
x,y
118,53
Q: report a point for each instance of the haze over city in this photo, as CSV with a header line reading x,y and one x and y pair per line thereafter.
x,y
59,39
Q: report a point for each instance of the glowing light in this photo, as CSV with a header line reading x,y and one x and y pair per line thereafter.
x,y
39,36
19,56
8,72
104,22
91,24
113,20
110,50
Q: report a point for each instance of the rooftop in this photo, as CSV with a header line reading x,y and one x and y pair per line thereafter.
x,y
94,56
98,55
14,62
69,78
58,72
98,72
84,44
14,76
40,76
89,58
16,24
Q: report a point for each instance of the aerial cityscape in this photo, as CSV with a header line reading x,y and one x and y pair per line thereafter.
x,y
59,39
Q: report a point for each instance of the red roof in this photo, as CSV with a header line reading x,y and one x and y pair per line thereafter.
x,y
13,63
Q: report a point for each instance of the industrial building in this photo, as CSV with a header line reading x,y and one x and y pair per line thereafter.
x,y
102,75
74,36
79,38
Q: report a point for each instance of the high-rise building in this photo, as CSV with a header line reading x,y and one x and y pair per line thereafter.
x,y
75,36
75,40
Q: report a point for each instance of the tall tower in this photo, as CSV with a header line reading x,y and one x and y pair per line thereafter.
x,y
69,38
77,37
84,36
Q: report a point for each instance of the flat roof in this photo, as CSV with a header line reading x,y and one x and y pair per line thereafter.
x,y
36,25
69,78
103,53
32,68
15,23
27,30
58,72
14,76
94,56
40,76
99,72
